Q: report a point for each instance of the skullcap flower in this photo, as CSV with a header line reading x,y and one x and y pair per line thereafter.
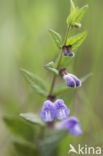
x,y
48,111
71,124
61,110
72,81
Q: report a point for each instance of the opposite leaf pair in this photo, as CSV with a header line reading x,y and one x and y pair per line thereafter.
x,y
57,109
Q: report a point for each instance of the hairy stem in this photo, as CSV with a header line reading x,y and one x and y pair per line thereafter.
x,y
59,61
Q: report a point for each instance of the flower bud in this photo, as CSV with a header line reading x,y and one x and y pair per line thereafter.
x,y
78,25
67,51
77,81
71,80
64,50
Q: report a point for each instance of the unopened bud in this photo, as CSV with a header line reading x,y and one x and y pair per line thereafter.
x,y
78,25
67,50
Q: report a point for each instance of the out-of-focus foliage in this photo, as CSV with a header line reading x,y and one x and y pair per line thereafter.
x,y
25,43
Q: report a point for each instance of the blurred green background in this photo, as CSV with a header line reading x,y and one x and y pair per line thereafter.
x,y
25,42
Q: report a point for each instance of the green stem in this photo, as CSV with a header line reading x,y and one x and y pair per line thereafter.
x,y
67,33
59,61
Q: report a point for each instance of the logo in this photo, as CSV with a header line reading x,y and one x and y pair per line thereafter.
x,y
85,150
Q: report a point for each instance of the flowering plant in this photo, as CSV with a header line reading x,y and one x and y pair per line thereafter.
x,y
50,131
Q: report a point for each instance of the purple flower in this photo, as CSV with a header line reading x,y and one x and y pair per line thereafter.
x,y
69,81
67,51
48,111
72,81
77,81
71,54
61,110
71,124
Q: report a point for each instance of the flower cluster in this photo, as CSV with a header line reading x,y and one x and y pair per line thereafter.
x,y
56,109
59,110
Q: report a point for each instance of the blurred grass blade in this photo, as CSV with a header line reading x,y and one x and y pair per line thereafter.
x,y
84,78
35,82
76,40
33,118
20,128
56,37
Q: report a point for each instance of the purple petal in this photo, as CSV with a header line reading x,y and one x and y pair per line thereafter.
x,y
76,130
77,81
71,54
72,124
64,53
61,110
48,111
69,81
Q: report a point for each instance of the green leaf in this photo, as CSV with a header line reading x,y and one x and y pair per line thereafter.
x,y
84,78
35,82
20,128
25,149
76,15
50,64
66,60
53,70
62,86
51,141
51,67
72,5
72,15
76,40
56,37
33,118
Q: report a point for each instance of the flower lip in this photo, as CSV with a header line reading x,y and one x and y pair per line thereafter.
x,y
61,110
48,111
